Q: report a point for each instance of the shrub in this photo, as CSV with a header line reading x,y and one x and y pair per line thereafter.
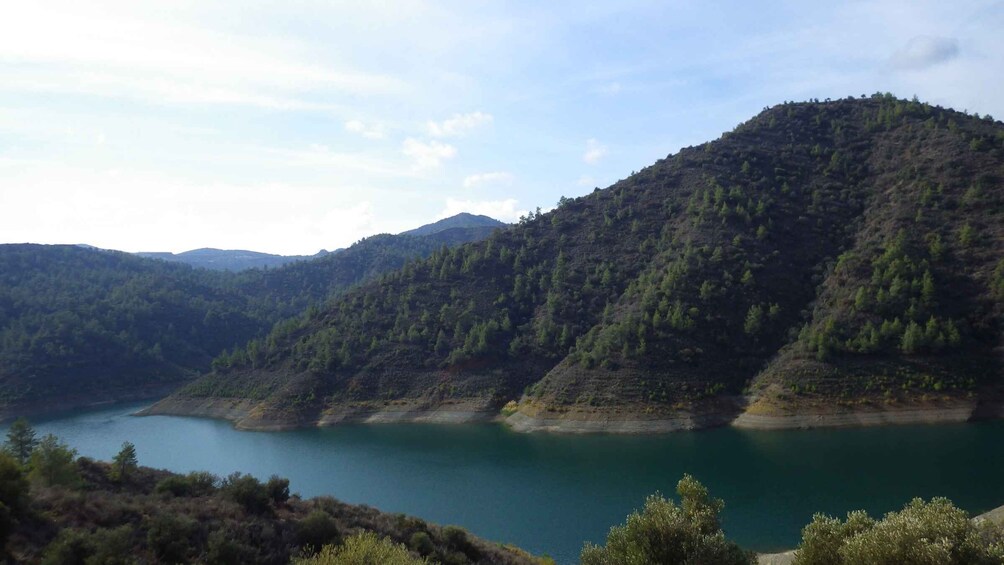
x,y
175,484
70,546
363,549
169,537
666,533
316,530
202,483
13,485
935,533
222,549
278,489
247,491
102,547
199,483
54,463
421,543
455,536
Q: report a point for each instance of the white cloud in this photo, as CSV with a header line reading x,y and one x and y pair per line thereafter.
x,y
506,210
459,124
472,181
372,131
925,51
586,180
127,51
594,152
427,155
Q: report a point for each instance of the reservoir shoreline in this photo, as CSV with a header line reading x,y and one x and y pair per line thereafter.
x,y
247,415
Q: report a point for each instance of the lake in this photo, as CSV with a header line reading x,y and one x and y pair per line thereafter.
x,y
549,493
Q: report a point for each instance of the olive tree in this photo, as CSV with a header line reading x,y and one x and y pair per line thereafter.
x,y
664,532
923,533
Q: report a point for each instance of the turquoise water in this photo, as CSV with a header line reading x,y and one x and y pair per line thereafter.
x,y
549,493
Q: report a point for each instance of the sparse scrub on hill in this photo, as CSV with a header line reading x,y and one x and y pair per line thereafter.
x,y
146,515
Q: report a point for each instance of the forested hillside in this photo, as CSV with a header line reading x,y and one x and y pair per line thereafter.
x,y
230,259
79,325
853,247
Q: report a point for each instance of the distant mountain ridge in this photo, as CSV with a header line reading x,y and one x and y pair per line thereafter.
x,y
462,220
239,259
230,259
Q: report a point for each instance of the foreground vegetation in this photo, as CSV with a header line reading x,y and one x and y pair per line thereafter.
x,y
56,508
923,533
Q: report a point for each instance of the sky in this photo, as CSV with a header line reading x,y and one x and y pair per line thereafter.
x,y
290,127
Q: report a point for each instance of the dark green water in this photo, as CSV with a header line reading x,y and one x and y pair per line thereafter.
x,y
550,493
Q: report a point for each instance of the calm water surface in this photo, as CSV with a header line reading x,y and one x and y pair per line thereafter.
x,y
549,493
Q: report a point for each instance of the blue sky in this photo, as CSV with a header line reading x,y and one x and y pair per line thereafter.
x,y
288,127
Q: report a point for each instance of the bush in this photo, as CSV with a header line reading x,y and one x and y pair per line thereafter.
x,y
935,533
199,483
317,530
363,549
202,483
222,549
13,494
169,537
13,485
102,547
54,463
112,546
175,484
666,533
247,491
421,543
278,489
455,536
70,546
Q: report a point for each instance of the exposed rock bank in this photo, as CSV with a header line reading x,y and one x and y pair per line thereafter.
x,y
249,415
587,423
761,417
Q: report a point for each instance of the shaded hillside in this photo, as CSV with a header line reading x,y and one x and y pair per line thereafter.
x,y
230,259
79,326
88,323
295,286
671,290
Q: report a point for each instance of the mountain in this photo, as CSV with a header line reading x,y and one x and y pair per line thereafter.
x,y
832,258
230,259
80,326
462,220
240,260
